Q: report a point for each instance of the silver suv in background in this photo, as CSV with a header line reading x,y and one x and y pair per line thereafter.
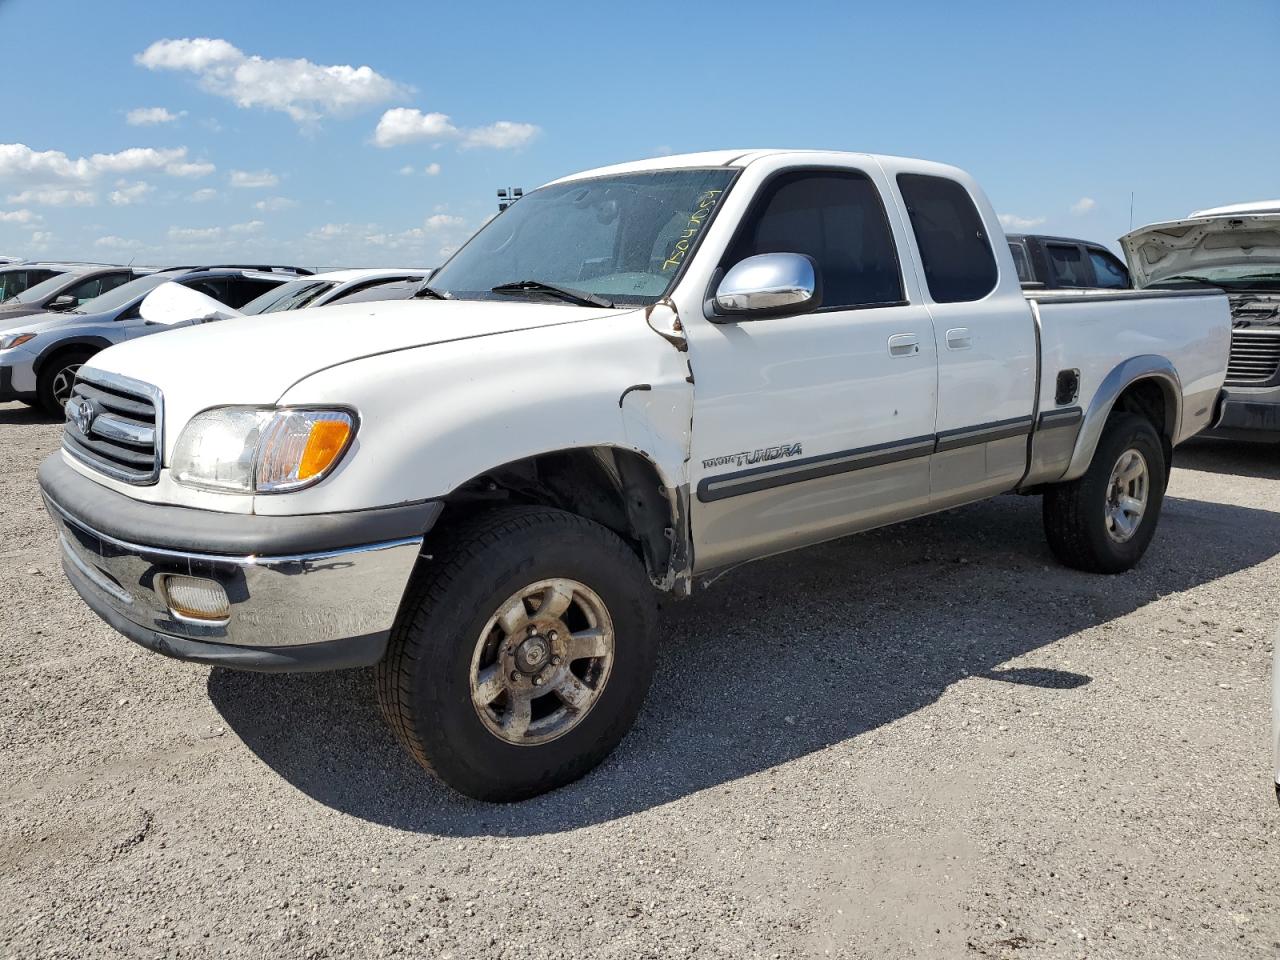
x,y
40,354
68,291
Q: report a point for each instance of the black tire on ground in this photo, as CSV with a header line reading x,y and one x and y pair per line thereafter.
x,y
1076,513
425,680
56,376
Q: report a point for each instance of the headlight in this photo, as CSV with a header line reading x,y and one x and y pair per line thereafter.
x,y
15,339
261,450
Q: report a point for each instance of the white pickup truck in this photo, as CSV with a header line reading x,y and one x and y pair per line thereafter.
x,y
630,379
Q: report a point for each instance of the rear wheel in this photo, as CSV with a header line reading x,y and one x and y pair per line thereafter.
x,y
522,653
53,386
1104,521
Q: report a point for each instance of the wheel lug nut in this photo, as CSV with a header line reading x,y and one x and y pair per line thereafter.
x,y
537,681
532,629
555,661
553,636
515,676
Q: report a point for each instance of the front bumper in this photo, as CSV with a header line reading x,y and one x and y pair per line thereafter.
x,y
9,389
1248,413
327,606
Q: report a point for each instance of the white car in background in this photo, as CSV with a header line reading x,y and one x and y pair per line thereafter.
x,y
338,286
175,305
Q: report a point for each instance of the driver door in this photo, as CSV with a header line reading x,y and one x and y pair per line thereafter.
x,y
811,426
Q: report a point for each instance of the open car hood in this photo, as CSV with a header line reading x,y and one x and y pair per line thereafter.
x,y
1164,250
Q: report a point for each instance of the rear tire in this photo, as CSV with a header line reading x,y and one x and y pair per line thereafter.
x,y
1103,521
53,386
522,652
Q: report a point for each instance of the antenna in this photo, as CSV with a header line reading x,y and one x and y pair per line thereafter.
x,y
1131,211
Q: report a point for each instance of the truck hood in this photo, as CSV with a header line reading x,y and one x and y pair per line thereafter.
x,y
1164,250
254,360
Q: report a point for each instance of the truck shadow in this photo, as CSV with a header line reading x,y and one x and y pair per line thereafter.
x,y
780,659
20,413
1233,458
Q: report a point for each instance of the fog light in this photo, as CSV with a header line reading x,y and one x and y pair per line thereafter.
x,y
196,598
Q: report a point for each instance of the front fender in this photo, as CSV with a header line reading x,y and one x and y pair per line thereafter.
x,y
434,417
1147,366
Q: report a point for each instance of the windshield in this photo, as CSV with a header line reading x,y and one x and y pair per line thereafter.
x,y
288,296
623,238
43,289
122,295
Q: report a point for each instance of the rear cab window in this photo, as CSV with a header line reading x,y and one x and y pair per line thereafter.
x,y
955,251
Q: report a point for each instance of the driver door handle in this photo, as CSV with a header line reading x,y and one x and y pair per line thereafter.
x,y
904,345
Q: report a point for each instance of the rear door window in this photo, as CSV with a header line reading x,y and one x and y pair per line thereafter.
x,y
838,219
240,290
1066,262
1108,271
954,248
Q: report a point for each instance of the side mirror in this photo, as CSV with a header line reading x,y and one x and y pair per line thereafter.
x,y
172,304
769,285
64,302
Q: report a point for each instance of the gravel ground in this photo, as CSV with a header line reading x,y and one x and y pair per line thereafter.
x,y
929,741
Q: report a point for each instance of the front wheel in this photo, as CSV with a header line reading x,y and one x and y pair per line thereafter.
x,y
1103,521
53,385
522,653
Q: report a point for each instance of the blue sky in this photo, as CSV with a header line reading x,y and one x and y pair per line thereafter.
x,y
332,133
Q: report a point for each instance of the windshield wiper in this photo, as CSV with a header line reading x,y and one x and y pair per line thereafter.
x,y
564,293
1192,279
427,292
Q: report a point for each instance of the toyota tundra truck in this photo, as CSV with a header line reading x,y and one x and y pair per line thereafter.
x,y
628,381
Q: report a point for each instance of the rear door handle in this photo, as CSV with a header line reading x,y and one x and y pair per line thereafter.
x,y
958,338
904,345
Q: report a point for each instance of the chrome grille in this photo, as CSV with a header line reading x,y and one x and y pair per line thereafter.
x,y
1255,356
114,425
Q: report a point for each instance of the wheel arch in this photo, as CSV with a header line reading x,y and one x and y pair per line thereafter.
x,y
63,346
1147,385
618,487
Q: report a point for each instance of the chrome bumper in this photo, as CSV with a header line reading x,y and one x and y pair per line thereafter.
x,y
302,612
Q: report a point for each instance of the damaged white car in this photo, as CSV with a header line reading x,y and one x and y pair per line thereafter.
x,y
1236,248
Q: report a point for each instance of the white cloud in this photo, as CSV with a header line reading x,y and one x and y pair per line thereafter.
x,y
408,170
206,235
503,135
304,90
130,193
440,221
203,195
1083,206
192,170
151,116
18,162
112,242
55,197
272,204
405,125
432,169
1011,221
41,239
253,179
19,216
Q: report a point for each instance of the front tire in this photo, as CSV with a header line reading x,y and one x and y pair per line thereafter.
x,y
53,386
522,653
1103,521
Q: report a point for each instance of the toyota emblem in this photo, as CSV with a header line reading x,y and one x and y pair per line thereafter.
x,y
80,411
